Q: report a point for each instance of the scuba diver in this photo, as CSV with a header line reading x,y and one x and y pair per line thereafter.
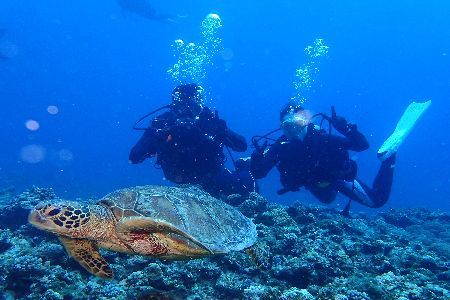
x,y
308,156
188,142
144,9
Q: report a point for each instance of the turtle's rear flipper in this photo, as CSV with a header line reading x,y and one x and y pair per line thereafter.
x,y
147,236
86,253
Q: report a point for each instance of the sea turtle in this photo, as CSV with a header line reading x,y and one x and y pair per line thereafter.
x,y
156,221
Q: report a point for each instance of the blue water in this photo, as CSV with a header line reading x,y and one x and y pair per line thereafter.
x,y
103,68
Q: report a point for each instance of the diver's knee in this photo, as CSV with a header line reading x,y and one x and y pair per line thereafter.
x,y
378,203
325,196
326,200
372,202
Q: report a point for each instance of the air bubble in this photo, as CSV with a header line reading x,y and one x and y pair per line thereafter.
x,y
52,109
193,59
227,54
32,125
65,155
306,75
32,154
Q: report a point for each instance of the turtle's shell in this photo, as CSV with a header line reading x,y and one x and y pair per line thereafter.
x,y
217,225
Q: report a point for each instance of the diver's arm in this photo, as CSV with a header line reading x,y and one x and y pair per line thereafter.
x,y
210,123
235,141
356,141
352,139
145,147
263,161
148,145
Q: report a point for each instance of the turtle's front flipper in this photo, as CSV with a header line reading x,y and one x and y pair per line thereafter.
x,y
151,237
86,253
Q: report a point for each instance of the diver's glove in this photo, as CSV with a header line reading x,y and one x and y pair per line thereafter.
x,y
340,123
205,115
257,157
211,124
260,148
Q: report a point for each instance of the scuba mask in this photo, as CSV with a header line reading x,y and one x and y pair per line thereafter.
x,y
295,124
187,103
187,109
187,100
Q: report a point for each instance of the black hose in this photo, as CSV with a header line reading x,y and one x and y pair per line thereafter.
x,y
146,116
257,138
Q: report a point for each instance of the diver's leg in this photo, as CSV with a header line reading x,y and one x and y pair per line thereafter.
x,y
240,182
243,174
324,194
382,184
376,196
356,190
226,183
212,186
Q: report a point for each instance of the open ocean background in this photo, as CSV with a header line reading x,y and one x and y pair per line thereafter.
x,y
103,68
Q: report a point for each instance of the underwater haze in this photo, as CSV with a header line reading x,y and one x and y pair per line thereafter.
x,y
76,75
102,67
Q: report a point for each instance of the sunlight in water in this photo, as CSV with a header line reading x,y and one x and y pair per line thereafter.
x,y
32,154
194,59
306,75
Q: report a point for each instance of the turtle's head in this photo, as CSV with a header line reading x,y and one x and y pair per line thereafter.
x,y
60,217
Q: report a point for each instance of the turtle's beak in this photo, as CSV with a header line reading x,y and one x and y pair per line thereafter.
x,y
36,219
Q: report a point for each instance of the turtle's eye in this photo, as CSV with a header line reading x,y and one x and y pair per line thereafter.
x,y
54,212
40,206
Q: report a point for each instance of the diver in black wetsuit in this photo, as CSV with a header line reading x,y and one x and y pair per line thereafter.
x,y
145,9
188,143
307,156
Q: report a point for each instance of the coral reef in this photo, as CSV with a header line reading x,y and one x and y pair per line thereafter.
x,y
303,252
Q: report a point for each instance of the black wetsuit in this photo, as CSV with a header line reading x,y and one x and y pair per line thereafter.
x,y
191,151
144,9
320,162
